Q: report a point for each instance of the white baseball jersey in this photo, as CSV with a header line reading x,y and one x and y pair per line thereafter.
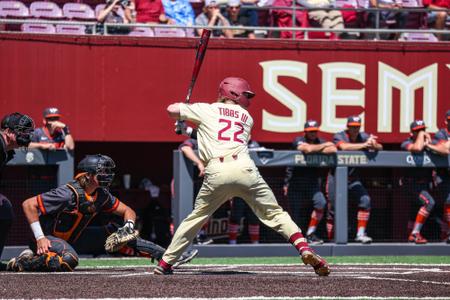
x,y
223,129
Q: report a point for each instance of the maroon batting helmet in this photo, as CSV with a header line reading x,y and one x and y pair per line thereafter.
x,y
237,90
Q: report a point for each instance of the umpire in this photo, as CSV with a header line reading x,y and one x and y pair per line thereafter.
x,y
16,131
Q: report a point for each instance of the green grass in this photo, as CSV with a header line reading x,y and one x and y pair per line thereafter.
x,y
274,260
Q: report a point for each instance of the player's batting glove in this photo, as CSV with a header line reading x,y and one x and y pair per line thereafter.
x,y
182,128
121,237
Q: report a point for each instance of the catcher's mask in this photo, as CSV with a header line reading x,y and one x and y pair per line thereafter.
x,y
100,165
21,125
237,90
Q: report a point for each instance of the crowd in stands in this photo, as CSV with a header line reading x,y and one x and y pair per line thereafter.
x,y
328,14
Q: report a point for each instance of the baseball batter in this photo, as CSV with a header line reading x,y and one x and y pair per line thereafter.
x,y
223,133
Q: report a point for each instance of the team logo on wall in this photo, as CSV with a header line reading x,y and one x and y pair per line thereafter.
x,y
265,156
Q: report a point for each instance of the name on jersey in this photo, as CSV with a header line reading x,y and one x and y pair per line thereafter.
x,y
228,112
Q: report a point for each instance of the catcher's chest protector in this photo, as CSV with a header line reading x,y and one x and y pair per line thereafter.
x,y
71,222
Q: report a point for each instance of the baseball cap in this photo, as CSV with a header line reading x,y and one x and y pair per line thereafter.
x,y
234,3
354,121
448,114
211,3
417,125
51,112
312,125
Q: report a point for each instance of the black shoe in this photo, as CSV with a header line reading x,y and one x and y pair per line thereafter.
x,y
2,267
313,239
203,239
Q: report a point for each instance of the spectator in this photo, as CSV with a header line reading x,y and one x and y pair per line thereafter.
x,y
211,16
305,185
110,14
439,18
442,142
239,19
329,19
179,12
353,140
54,134
391,18
150,11
419,179
283,18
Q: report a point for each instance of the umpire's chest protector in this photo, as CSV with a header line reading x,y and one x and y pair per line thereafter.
x,y
71,221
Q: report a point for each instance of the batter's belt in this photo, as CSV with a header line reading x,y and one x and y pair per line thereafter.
x,y
225,159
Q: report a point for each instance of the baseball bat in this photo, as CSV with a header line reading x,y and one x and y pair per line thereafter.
x,y
199,56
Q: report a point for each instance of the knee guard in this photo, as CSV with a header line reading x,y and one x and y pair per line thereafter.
x,y
427,200
364,202
319,200
69,262
147,249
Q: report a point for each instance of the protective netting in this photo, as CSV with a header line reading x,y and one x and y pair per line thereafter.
x,y
394,205
19,183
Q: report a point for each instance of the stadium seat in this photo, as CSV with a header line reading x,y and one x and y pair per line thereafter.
x,y
70,29
169,32
78,11
38,28
46,10
100,7
15,9
142,31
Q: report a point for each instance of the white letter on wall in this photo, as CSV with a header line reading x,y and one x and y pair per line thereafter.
x,y
332,97
388,78
271,71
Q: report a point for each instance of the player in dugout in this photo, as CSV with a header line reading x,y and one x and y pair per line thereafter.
x,y
60,220
417,183
15,132
300,185
353,139
442,142
224,129
54,134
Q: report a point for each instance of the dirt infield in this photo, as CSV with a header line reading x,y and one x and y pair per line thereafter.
x,y
200,281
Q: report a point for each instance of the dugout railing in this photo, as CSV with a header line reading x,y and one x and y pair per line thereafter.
x,y
185,179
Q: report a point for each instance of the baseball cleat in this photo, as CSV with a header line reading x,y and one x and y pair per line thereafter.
x,y
186,257
417,238
159,270
313,239
319,264
363,239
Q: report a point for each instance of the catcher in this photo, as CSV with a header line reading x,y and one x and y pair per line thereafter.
x,y
60,222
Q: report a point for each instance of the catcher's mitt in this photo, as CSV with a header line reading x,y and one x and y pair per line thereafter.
x,y
121,237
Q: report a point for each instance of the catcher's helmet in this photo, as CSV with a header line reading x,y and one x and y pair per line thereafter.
x,y
237,90
22,126
100,165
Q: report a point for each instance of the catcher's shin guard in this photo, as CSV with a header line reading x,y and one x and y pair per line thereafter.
x,y
147,249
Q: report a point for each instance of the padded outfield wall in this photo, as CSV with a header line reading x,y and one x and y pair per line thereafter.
x,y
107,85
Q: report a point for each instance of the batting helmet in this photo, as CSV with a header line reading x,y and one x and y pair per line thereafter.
x,y
237,90
100,165
22,126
